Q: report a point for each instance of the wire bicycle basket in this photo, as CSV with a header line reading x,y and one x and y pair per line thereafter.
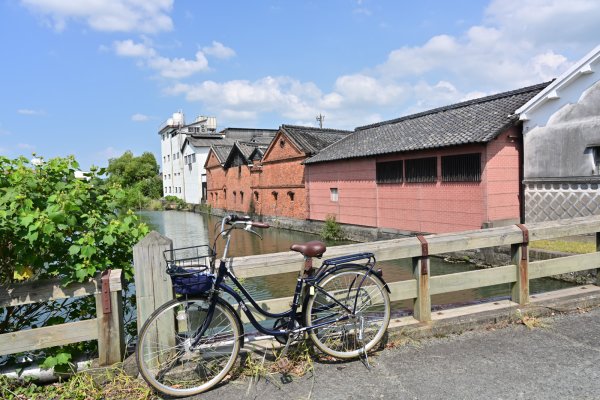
x,y
190,269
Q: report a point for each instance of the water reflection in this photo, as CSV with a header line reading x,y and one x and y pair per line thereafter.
x,y
188,229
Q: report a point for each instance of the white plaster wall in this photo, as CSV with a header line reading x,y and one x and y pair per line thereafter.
x,y
559,132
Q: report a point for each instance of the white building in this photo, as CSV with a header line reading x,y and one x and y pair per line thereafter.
x,y
184,150
182,161
561,138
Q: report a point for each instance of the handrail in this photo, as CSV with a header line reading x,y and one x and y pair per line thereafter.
x,y
107,327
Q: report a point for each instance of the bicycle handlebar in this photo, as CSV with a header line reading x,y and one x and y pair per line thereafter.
x,y
234,219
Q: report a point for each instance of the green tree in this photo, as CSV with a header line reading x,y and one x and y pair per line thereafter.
x,y
138,175
129,170
55,225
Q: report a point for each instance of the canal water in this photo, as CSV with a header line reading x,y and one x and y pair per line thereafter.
x,y
189,229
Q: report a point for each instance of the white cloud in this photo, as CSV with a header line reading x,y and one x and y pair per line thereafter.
x,y
128,48
518,43
218,50
178,67
174,68
25,146
109,152
27,111
140,117
148,16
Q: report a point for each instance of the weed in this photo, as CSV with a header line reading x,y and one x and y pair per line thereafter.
x,y
298,361
332,229
401,339
111,383
530,321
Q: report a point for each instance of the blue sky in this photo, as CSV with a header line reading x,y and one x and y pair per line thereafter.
x,y
95,78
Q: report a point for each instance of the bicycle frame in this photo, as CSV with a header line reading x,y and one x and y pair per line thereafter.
x,y
292,313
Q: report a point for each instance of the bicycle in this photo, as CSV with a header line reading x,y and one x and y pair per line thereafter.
x,y
190,344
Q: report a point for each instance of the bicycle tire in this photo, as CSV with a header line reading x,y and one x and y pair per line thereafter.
x,y
169,365
342,339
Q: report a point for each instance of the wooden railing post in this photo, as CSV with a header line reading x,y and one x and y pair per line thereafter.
x,y
152,284
421,270
109,310
520,257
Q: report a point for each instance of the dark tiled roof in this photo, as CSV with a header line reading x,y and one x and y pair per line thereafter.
x,y
245,149
222,151
207,142
312,140
474,121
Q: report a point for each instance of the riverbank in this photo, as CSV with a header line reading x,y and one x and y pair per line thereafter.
x,y
482,258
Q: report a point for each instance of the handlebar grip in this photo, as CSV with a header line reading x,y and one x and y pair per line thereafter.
x,y
259,225
235,218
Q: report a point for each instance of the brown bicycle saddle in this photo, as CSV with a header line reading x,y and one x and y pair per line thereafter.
x,y
310,249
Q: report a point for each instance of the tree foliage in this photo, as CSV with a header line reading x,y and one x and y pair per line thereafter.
x,y
53,224
139,176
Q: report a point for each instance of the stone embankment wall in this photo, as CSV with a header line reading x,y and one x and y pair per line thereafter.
x,y
500,255
483,258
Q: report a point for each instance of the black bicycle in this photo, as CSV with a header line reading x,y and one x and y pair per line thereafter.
x,y
190,344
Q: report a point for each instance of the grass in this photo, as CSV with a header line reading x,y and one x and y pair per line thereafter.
x,y
530,321
564,246
99,384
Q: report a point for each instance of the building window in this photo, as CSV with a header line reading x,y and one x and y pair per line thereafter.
x,y
193,157
291,195
234,196
225,194
239,171
169,157
242,197
333,193
256,196
594,150
274,195
461,168
389,172
281,143
421,169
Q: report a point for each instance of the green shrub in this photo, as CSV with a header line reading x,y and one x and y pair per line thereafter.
x,y
332,229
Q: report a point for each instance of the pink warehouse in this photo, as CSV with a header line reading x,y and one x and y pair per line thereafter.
x,y
449,169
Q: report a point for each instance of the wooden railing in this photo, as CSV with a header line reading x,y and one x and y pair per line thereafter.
x,y
107,327
153,285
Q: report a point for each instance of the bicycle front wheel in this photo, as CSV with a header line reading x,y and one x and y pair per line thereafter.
x,y
351,311
167,357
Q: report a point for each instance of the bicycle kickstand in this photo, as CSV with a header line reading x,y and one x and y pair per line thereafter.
x,y
364,358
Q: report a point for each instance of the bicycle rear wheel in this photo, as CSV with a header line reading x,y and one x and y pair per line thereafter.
x,y
360,299
166,358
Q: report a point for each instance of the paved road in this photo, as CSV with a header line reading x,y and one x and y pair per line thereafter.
x,y
559,361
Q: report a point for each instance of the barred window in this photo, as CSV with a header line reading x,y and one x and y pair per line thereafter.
x,y
421,169
389,172
461,168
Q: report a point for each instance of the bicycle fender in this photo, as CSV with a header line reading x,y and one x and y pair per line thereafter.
x,y
356,266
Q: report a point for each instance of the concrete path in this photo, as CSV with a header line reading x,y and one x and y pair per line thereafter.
x,y
558,361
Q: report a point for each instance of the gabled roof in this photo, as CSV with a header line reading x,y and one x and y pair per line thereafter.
x,y
222,151
474,121
206,141
584,67
312,140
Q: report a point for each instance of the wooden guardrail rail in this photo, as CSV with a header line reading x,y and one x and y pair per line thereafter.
x,y
423,285
107,327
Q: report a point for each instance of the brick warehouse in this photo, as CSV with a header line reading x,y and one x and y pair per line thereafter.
x,y
449,169
264,180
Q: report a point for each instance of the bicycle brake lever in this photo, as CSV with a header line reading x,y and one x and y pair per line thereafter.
x,y
248,229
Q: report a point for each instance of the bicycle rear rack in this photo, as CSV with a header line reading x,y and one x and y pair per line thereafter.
x,y
370,257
